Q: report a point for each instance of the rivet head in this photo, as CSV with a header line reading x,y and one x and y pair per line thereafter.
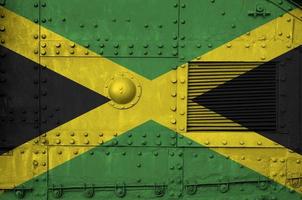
x,y
173,80
173,94
182,80
173,108
43,52
35,163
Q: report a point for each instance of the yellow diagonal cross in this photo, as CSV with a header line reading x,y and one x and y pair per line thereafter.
x,y
102,123
159,100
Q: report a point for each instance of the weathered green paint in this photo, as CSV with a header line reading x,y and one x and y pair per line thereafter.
x,y
141,169
149,134
164,33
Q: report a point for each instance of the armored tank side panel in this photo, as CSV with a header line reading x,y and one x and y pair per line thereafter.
x,y
154,99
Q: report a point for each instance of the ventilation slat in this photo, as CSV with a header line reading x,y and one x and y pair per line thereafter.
x,y
232,97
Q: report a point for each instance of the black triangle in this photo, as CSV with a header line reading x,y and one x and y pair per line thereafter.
x,y
266,99
35,99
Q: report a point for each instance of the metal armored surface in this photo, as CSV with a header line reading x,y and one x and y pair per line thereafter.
x,y
154,99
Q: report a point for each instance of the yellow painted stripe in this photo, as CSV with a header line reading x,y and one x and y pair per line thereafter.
x,y
262,44
158,111
92,72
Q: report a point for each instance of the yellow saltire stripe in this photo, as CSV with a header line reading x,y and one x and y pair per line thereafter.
x,y
30,160
63,66
261,44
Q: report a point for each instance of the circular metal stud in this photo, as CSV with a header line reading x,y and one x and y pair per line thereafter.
x,y
124,90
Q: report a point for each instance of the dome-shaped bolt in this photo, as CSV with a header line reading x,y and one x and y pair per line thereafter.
x,y
173,108
43,52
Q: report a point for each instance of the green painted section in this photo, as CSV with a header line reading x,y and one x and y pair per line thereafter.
x,y
164,33
114,172
147,134
209,24
28,8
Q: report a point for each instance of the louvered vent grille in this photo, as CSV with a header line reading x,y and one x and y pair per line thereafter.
x,y
232,97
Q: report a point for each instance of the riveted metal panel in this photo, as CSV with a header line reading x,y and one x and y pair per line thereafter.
x,y
147,29
227,178
112,172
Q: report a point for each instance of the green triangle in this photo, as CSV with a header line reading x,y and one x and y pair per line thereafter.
x,y
157,37
110,167
149,133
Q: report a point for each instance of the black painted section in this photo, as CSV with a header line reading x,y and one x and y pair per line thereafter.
x,y
266,99
297,3
35,100
249,99
19,105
